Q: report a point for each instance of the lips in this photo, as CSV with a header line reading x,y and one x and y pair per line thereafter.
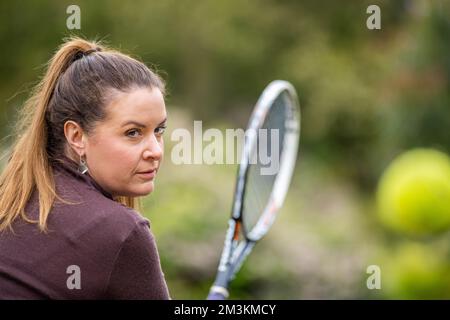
x,y
148,171
147,175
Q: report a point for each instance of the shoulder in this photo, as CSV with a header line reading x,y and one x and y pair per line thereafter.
x,y
90,212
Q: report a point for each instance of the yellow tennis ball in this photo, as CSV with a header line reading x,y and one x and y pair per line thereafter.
x,y
416,271
414,193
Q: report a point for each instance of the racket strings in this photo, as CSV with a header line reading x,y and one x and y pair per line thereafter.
x,y
261,176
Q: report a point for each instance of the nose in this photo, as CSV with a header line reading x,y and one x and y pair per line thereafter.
x,y
153,148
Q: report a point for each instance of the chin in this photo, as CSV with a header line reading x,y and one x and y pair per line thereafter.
x,y
144,190
140,190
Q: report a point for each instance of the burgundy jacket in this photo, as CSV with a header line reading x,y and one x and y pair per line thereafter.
x,y
94,249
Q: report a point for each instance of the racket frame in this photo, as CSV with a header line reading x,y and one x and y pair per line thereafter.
x,y
234,251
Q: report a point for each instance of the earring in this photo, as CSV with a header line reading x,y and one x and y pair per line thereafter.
x,y
82,168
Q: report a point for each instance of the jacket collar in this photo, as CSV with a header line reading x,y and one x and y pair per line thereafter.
x,y
71,167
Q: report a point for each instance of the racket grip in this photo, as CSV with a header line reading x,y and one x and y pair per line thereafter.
x,y
215,296
218,293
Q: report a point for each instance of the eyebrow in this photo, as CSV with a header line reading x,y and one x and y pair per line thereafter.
x,y
140,124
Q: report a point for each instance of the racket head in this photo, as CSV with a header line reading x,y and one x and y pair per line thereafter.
x,y
260,191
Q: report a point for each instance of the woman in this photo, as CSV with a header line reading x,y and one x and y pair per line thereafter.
x,y
90,142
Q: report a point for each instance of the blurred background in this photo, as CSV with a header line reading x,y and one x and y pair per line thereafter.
x,y
367,97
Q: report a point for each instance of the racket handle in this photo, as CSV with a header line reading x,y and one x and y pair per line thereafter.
x,y
215,296
218,293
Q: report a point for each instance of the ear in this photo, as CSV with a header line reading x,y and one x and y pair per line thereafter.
x,y
75,137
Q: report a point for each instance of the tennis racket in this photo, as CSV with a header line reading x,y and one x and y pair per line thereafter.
x,y
273,129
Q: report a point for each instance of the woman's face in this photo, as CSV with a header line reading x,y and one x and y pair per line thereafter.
x,y
128,142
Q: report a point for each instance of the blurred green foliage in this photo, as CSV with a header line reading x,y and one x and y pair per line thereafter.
x,y
366,95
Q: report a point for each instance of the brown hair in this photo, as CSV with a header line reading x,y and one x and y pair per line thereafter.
x,y
76,86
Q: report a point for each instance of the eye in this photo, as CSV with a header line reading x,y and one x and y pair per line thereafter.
x,y
160,130
132,133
